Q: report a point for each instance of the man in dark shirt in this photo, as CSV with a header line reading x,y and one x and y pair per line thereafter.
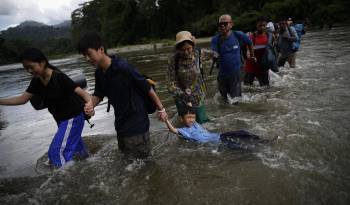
x,y
126,90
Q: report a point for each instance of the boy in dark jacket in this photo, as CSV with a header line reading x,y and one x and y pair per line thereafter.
x,y
127,91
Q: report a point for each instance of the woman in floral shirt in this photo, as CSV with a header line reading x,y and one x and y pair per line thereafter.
x,y
185,80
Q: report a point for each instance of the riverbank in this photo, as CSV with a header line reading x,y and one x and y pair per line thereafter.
x,y
164,43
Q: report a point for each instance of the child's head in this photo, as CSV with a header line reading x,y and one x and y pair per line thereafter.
x,y
188,115
34,61
92,47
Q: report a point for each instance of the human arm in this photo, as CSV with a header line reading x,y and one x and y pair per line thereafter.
x,y
207,54
249,44
89,107
90,102
83,94
18,100
215,44
160,108
171,127
251,52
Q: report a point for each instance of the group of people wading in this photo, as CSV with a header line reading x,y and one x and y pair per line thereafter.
x,y
133,97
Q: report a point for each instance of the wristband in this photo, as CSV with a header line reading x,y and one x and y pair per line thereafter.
x,y
161,110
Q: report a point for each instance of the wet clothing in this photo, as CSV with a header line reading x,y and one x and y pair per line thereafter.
x,y
185,73
230,85
67,141
291,59
263,78
66,108
229,50
230,64
137,146
254,69
197,133
285,46
239,139
123,84
58,95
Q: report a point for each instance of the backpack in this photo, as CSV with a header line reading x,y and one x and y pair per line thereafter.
x,y
269,59
295,45
149,104
38,102
299,28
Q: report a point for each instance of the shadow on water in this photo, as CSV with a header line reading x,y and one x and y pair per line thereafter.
x,y
307,108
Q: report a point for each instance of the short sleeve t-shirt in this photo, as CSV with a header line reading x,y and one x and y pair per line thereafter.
x,y
230,51
198,134
58,95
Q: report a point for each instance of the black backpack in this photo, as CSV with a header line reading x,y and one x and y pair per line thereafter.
x,y
269,59
149,104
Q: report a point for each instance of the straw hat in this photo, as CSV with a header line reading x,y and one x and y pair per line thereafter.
x,y
184,36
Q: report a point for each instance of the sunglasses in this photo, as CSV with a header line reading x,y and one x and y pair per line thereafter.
x,y
223,24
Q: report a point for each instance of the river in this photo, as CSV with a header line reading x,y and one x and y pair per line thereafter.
x,y
307,108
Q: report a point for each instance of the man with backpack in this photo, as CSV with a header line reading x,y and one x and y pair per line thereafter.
x,y
228,44
299,29
254,69
286,45
127,91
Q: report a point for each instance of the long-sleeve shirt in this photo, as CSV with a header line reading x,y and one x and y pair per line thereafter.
x,y
185,73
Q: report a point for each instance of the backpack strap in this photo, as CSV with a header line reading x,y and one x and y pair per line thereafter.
x,y
242,49
254,36
199,61
239,38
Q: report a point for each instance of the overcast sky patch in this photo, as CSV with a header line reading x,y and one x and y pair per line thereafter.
x,y
13,12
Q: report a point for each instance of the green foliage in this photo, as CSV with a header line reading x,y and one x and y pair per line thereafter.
x,y
10,49
134,21
123,22
52,40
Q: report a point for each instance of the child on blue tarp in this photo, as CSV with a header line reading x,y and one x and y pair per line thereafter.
x,y
193,131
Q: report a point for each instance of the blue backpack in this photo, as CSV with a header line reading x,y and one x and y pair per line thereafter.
x,y
295,45
299,28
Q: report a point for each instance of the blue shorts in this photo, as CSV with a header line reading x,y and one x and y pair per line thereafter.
x,y
67,141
